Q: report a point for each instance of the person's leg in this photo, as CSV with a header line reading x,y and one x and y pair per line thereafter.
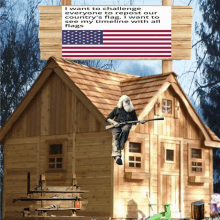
x,y
116,141
124,135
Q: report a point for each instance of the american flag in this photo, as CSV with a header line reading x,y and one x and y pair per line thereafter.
x,y
116,43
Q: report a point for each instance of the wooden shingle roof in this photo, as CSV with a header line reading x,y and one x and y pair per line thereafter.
x,y
104,87
142,89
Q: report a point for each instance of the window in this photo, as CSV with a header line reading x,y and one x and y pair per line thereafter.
x,y
135,147
195,160
55,156
169,155
134,155
166,106
135,161
169,152
196,166
56,151
195,155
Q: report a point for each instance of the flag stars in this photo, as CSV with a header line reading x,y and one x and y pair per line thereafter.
x,y
82,37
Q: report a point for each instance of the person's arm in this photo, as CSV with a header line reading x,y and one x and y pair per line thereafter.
x,y
111,116
111,121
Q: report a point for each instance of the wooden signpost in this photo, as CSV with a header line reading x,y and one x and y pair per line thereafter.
x,y
50,33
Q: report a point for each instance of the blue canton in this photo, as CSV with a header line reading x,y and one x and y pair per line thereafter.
x,y
82,37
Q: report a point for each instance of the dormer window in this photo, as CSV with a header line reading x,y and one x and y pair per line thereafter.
x,y
166,106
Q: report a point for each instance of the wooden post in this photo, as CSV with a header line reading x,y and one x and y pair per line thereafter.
x,y
167,64
197,210
74,182
65,2
28,182
43,187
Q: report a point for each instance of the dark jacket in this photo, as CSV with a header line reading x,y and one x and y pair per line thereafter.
x,y
121,115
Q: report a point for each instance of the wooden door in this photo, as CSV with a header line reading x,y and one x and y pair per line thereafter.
x,y
170,193
170,176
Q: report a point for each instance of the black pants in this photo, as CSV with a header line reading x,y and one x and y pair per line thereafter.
x,y
120,135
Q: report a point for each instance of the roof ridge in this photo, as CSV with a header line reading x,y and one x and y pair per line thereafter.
x,y
149,77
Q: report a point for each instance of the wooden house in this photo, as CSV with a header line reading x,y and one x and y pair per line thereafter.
x,y
170,161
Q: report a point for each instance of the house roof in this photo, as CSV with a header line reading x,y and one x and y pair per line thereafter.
x,y
103,88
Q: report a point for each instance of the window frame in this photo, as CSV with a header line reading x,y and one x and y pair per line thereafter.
x,y
190,160
167,99
64,154
141,155
168,96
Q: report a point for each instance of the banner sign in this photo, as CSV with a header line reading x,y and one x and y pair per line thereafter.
x,y
116,32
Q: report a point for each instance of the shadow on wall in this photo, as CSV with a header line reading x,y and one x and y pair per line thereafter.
x,y
133,211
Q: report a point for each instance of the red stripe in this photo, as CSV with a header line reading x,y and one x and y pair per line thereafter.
x,y
116,51
137,43
156,39
136,30
144,35
115,47
116,56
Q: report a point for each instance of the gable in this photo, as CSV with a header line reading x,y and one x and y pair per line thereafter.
x,y
141,90
54,110
193,121
182,126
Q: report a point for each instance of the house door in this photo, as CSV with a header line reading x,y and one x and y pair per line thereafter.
x,y
169,176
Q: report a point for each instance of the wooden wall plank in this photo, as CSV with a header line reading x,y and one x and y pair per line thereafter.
x,y
73,113
58,105
38,115
52,105
45,109
63,102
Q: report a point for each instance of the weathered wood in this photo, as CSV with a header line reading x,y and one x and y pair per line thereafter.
x,y
167,2
167,65
66,2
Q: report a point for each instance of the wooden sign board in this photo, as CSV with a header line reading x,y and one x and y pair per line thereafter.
x,y
50,33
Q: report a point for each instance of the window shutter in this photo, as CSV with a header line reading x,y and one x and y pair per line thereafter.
x,y
177,109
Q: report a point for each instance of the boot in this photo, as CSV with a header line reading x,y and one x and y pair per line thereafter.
x,y
119,161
